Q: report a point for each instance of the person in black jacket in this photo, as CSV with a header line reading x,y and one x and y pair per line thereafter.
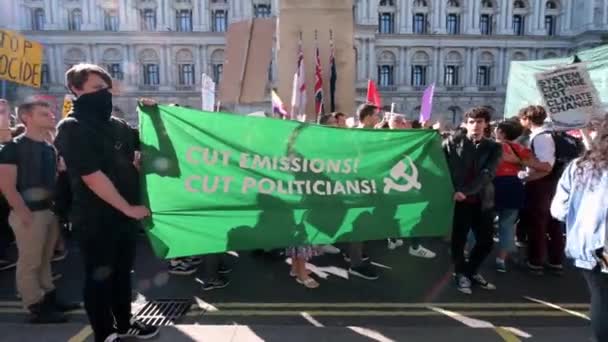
x,y
472,159
99,152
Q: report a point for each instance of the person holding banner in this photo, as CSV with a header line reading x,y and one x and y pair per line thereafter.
x,y
99,153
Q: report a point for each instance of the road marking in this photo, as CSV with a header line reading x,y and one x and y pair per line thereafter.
x,y
469,322
558,307
506,335
371,334
311,319
82,335
517,332
380,313
421,305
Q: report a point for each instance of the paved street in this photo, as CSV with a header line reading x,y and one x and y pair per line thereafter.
x,y
414,300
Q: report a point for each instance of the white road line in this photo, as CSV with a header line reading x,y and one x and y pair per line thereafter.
x,y
470,322
517,332
381,266
557,307
371,334
203,306
311,319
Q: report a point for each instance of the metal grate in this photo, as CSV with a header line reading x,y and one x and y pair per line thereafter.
x,y
163,311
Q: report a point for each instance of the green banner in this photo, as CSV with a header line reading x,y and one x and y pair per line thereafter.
x,y
216,182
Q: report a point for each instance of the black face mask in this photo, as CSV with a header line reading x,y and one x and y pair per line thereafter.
x,y
97,105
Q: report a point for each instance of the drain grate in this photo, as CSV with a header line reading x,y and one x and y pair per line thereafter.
x,y
163,311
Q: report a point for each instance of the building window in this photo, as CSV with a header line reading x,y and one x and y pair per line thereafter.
x,y
550,25
218,70
37,19
74,20
453,23
485,24
44,74
451,75
186,74
110,20
115,71
519,4
220,21
386,22
519,24
483,76
420,23
148,20
418,75
261,11
183,19
151,75
385,75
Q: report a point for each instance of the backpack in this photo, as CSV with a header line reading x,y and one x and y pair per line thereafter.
x,y
567,148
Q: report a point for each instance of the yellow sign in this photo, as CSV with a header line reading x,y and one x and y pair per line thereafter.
x,y
20,59
68,104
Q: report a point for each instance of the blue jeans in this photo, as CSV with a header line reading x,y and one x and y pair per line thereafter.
x,y
598,287
506,229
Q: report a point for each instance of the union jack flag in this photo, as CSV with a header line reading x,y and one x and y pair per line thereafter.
x,y
319,107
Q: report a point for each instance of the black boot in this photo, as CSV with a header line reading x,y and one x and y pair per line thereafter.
x,y
43,313
51,299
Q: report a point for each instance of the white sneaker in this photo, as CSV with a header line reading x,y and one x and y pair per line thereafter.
x,y
112,338
422,252
330,249
394,243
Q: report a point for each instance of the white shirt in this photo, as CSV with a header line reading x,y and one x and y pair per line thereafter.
x,y
544,146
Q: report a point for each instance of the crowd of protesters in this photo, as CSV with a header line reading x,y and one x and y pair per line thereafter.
x,y
517,181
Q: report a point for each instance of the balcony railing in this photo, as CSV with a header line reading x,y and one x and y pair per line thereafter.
x,y
388,88
183,87
487,88
148,87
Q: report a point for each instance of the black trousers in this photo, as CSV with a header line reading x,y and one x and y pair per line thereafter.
x,y
598,287
470,216
108,253
6,233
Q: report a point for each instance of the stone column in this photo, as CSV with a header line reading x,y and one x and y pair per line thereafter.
x,y
539,14
204,61
499,67
509,27
404,10
372,59
373,12
605,12
205,14
401,80
58,66
476,15
48,14
469,14
506,62
93,54
50,61
435,73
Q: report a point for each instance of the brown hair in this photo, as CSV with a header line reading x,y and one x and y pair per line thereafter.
x,y
336,115
78,74
536,114
478,113
28,107
365,110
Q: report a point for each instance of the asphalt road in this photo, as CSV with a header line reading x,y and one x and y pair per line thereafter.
x,y
414,300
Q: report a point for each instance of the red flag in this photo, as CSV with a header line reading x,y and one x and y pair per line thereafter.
x,y
373,96
319,108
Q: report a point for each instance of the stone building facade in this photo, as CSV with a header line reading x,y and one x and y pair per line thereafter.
x,y
159,48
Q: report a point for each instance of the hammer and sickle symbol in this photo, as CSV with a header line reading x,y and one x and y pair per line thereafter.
x,y
397,173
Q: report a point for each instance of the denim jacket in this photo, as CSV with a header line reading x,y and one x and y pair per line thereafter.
x,y
583,205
